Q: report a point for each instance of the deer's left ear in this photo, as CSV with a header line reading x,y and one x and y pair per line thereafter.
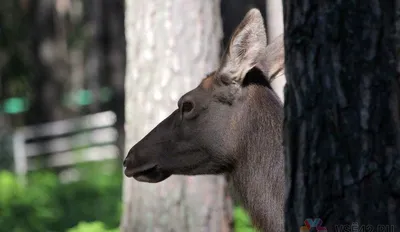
x,y
247,48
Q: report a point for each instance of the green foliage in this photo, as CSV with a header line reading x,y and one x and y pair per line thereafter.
x,y
27,208
91,204
96,197
91,227
242,220
45,204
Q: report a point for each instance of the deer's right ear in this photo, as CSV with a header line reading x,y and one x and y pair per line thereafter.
x,y
247,48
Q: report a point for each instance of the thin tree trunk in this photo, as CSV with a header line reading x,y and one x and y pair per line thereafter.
x,y
274,19
171,45
77,53
51,60
342,132
95,60
116,59
275,29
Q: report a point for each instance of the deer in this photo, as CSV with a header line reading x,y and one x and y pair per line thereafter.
x,y
231,123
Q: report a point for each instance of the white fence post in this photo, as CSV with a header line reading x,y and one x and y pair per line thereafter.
x,y
20,159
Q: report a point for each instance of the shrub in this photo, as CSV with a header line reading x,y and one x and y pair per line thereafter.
x,y
91,204
242,220
45,204
96,197
91,227
28,208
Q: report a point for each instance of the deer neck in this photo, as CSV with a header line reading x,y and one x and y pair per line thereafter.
x,y
259,173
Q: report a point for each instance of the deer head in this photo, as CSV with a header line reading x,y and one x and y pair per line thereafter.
x,y
214,123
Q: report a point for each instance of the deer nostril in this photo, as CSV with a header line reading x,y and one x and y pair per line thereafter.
x,y
125,162
187,106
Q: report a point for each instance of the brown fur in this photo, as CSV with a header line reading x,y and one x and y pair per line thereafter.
x,y
207,82
231,123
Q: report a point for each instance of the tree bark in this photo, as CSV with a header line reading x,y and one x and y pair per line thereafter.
x,y
341,129
171,45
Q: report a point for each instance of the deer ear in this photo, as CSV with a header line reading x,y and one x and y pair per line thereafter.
x,y
247,48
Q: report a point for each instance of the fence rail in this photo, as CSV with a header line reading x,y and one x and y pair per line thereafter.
x,y
65,143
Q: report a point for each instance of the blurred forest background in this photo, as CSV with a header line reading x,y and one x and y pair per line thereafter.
x,y
62,112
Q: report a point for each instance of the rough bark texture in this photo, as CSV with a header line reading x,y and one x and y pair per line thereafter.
x,y
171,45
341,130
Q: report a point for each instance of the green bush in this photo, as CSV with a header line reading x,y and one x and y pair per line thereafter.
x,y
96,197
91,227
242,220
91,204
45,204
28,208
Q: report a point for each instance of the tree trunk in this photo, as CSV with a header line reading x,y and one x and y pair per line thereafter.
x,y
274,19
95,58
171,45
275,29
50,55
341,131
116,59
